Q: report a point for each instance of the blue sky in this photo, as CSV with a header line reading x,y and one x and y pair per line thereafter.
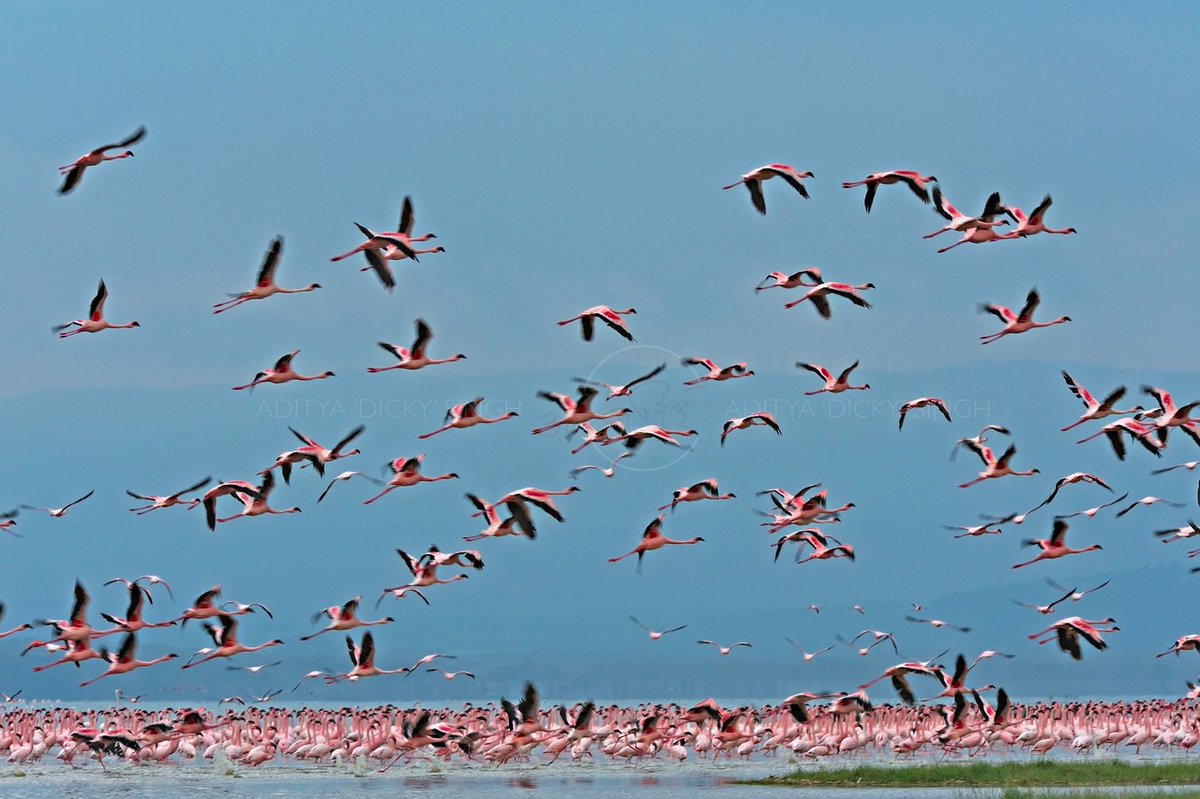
x,y
568,156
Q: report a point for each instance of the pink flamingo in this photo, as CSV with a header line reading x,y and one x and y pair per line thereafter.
x,y
407,472
1033,224
1018,323
743,422
994,468
265,286
577,411
124,661
959,221
257,505
227,643
158,503
914,180
281,373
697,492
466,415
832,385
652,539
819,295
1054,546
74,171
95,321
753,181
608,316
415,358
344,617
1096,409
716,373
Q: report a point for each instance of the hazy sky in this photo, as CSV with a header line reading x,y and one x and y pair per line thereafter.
x,y
568,156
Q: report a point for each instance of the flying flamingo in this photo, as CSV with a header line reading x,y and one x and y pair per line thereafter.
x,y
465,415
652,539
314,453
1068,631
609,472
577,411
344,617
716,373
923,402
1185,643
1072,479
415,358
450,675
594,436
959,221
1054,546
634,438
914,180
343,477
95,321
227,643
77,652
993,468
124,661
1190,466
8,520
801,279
74,171
257,506
407,472
973,531
1018,323
656,634
587,320
1091,512
265,286
832,385
1188,530
1137,431
724,650
1033,224
238,489
403,231
743,422
281,373
822,552
810,656
625,390
1075,595
58,513
703,490
819,295
15,630
1168,415
1046,610
978,441
133,621
1096,409
753,181
517,523
1147,502
158,503
937,624
424,574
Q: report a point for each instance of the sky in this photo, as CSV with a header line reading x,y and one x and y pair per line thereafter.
x,y
568,156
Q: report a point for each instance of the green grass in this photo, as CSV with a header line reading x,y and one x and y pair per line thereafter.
x,y
1025,774
1135,793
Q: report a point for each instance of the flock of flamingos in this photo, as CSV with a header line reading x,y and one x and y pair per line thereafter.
x,y
808,724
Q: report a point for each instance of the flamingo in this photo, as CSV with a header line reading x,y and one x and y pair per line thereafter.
x,y
407,472
133,621
74,171
466,415
994,468
403,231
753,181
8,520
1147,502
257,505
973,531
265,286
158,503
923,402
810,656
1185,643
314,453
703,490
1068,631
716,373
809,535
914,180
238,489
1091,512
450,675
1072,479
124,661
1167,415
634,438
415,358
227,643
344,617
625,390
1075,595
819,295
822,552
1189,530
1033,224
978,441
587,320
497,527
58,513
577,411
937,624
1190,466
724,650
341,478
899,673
424,573
1096,409
1138,432
653,539
779,280
609,472
594,436
95,321
281,372
656,634
832,385
743,422
982,229
1018,323
15,630
1054,546
959,221
1046,610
